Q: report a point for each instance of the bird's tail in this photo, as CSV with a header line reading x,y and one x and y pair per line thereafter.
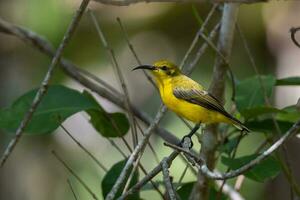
x,y
239,125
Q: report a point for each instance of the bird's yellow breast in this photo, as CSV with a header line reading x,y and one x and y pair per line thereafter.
x,y
190,111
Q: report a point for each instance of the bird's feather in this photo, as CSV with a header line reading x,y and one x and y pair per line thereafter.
x,y
200,97
192,92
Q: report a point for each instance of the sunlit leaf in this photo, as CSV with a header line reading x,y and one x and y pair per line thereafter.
x,y
112,175
249,92
294,80
107,124
266,169
58,104
291,114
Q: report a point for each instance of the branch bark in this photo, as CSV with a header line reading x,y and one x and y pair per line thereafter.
x,y
167,180
212,174
217,87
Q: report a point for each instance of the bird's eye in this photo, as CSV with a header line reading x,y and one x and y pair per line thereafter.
x,y
164,68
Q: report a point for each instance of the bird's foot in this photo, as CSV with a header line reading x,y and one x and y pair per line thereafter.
x,y
186,142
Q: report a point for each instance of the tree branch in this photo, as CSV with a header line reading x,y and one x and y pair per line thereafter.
x,y
202,166
209,137
131,2
44,85
223,176
167,179
133,156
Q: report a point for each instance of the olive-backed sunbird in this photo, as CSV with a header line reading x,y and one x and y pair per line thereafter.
x,y
187,98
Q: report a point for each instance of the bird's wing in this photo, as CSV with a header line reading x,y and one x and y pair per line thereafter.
x,y
194,93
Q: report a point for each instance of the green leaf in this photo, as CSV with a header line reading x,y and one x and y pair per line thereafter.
x,y
259,111
267,125
111,177
213,194
229,145
58,104
249,93
291,114
185,190
268,168
107,124
294,80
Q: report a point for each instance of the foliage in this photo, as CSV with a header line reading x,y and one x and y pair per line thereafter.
x,y
185,190
111,177
107,124
58,104
268,168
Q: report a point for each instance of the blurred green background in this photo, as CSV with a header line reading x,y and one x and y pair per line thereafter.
x,y
157,31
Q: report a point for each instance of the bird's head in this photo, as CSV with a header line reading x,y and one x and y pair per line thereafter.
x,y
161,69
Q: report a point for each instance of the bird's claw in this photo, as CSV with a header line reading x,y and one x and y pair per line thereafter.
x,y
186,142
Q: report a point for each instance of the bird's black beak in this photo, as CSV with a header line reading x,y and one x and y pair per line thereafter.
x,y
148,67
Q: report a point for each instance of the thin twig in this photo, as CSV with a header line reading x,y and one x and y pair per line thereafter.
x,y
196,38
241,178
155,186
117,147
182,175
184,150
84,149
167,180
156,170
44,85
228,190
149,144
140,165
201,165
133,50
293,32
189,68
88,189
138,150
135,167
71,187
119,75
149,176
226,62
98,80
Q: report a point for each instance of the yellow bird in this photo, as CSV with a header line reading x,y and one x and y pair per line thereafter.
x,y
187,98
